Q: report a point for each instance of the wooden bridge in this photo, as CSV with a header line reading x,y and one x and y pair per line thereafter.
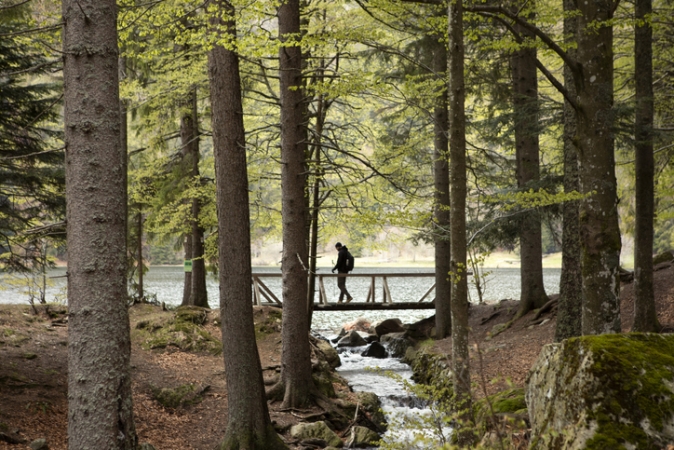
x,y
264,296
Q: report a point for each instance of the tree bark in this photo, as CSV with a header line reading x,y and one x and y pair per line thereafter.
x,y
189,137
296,358
458,192
187,284
600,234
527,150
443,286
316,205
248,424
569,311
100,408
139,248
645,317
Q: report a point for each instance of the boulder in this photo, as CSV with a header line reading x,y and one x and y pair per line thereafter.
x,y
362,437
316,430
423,329
388,326
663,257
371,338
608,391
353,339
397,343
341,334
360,324
331,355
375,350
39,444
372,405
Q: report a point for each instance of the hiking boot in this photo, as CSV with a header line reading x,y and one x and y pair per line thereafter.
x,y
348,299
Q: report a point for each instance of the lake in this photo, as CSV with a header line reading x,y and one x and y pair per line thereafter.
x,y
167,283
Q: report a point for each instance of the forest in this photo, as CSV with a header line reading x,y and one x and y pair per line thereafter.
x,y
144,131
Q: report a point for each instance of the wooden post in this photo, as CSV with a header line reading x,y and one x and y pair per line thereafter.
x,y
322,288
258,300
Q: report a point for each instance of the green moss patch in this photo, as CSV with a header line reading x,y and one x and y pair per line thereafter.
x,y
508,406
181,396
179,331
267,321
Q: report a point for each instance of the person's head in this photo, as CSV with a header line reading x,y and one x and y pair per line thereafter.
x,y
338,246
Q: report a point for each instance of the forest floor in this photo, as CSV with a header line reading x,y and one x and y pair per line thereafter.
x,y
33,368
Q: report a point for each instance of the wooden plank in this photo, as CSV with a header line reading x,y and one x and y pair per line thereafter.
x,y
427,292
258,300
370,292
388,297
322,288
267,290
358,274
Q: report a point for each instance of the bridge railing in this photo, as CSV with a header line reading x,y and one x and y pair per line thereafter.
x,y
263,294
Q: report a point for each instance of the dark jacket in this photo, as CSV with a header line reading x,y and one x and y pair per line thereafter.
x,y
342,265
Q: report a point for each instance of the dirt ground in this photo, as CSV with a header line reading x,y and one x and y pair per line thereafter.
x,y
33,369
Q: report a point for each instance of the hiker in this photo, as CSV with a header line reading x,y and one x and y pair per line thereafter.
x,y
344,265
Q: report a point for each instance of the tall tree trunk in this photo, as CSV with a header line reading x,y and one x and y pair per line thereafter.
x,y
443,287
189,136
645,317
296,377
527,150
100,408
571,281
316,205
187,284
248,423
124,139
457,174
600,234
139,224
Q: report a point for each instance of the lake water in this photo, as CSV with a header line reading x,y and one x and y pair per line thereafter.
x,y
167,283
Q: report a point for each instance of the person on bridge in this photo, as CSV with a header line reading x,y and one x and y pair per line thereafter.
x,y
344,265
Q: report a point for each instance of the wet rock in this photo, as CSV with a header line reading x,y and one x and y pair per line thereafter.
x,y
422,329
353,339
397,343
375,350
371,404
316,430
331,355
371,338
341,334
389,326
606,391
360,324
39,444
362,437
314,443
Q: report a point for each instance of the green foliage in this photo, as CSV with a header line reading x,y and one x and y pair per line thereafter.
x,y
32,173
184,330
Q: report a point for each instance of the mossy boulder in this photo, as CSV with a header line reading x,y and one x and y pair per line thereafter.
x,y
397,343
330,354
362,437
505,407
183,395
192,314
316,430
372,405
179,331
603,392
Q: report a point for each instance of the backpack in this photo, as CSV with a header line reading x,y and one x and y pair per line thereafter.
x,y
349,261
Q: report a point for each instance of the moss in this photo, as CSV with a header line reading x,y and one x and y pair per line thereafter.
x,y
268,325
29,356
183,395
191,314
181,333
663,257
509,402
639,365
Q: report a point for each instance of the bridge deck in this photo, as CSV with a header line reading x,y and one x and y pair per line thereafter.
x,y
263,295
